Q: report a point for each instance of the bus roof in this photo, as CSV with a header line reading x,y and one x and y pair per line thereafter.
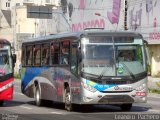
x,y
80,33
4,41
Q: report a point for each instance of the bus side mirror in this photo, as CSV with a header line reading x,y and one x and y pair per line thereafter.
x,y
14,58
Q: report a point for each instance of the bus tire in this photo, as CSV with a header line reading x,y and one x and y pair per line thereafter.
x,y
1,102
68,104
38,99
126,107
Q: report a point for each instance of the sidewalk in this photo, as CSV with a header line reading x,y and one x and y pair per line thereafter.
x,y
153,83
153,95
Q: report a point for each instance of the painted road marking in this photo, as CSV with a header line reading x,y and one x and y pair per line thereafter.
x,y
153,97
18,81
26,107
154,110
18,93
16,86
153,102
57,113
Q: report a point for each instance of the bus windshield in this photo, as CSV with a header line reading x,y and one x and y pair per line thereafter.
x,y
5,60
101,56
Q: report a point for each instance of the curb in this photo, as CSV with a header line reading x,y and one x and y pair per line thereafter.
x,y
154,83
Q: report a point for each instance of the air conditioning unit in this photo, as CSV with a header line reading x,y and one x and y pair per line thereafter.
x,y
28,2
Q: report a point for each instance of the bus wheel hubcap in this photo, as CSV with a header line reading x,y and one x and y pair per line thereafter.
x,y
37,96
68,98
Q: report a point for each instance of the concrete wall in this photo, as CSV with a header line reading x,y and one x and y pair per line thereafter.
x,y
155,58
24,24
80,14
5,31
143,16
23,27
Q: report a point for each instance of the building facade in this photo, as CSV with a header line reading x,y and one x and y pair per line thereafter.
x,y
14,24
74,15
5,20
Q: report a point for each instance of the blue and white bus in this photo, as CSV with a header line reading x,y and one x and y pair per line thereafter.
x,y
87,67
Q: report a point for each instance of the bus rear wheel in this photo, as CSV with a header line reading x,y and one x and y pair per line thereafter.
x,y
1,102
68,104
38,99
126,107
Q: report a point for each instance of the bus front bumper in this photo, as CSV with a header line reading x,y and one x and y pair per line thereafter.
x,y
113,98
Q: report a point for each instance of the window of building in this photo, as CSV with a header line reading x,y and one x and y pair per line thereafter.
x,y
55,53
7,4
37,55
45,54
29,55
17,4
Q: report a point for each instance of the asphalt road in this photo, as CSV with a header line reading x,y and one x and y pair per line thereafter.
x,y
24,108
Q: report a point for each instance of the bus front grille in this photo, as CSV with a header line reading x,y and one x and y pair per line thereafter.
x,y
115,91
116,99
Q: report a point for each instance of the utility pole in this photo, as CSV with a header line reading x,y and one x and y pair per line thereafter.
x,y
125,15
0,19
0,15
0,4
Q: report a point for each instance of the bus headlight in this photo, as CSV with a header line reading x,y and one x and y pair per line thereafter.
x,y
88,87
141,87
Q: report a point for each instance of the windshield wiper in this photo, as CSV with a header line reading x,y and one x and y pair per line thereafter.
x,y
128,70
103,72
88,74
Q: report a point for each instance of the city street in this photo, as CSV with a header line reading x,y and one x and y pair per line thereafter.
x,y
80,51
24,108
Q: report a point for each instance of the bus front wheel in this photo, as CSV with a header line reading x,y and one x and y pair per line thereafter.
x,y
1,102
38,99
68,104
126,107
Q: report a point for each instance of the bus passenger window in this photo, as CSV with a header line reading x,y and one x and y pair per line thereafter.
x,y
55,53
29,55
37,55
45,54
65,52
